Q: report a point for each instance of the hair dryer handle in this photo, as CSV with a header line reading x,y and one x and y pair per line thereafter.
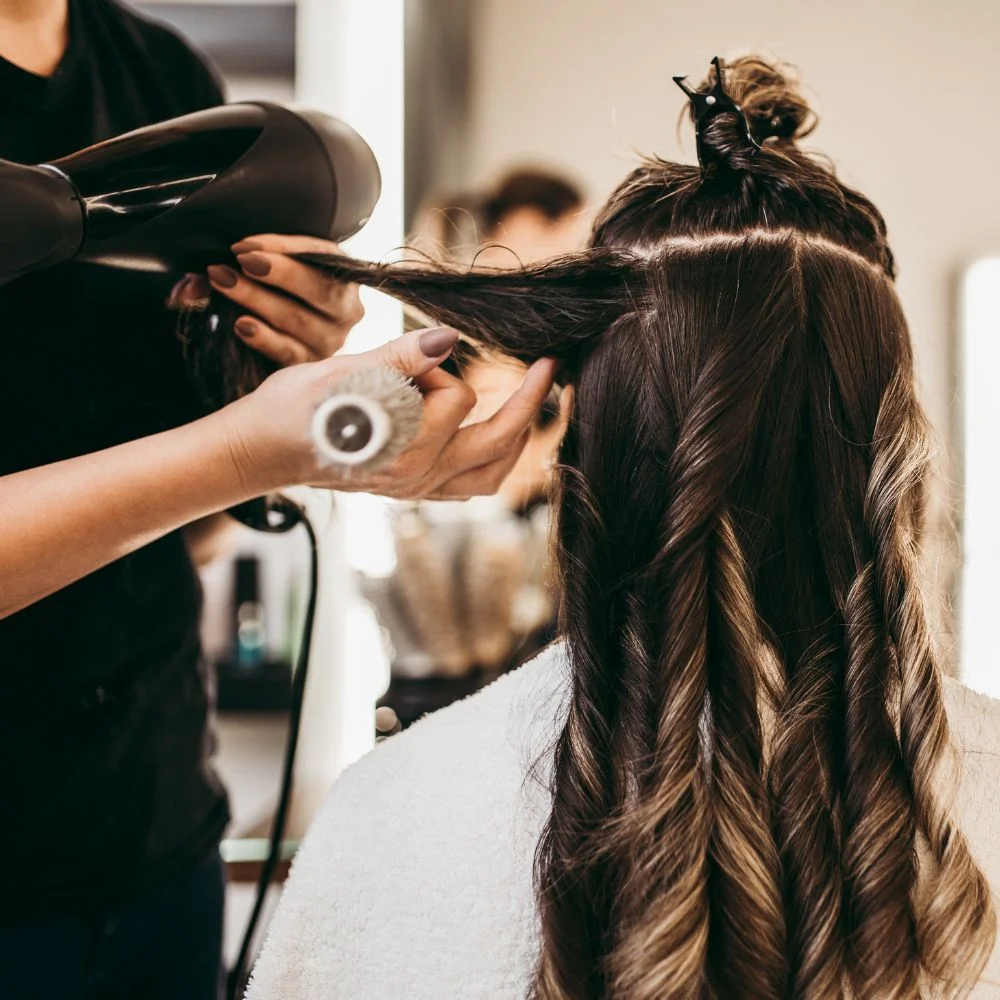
x,y
43,219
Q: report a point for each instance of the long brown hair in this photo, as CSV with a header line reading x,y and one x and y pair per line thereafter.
x,y
747,798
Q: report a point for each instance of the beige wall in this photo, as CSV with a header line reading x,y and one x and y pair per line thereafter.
x,y
908,94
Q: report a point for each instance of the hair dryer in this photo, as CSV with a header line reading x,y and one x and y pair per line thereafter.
x,y
177,195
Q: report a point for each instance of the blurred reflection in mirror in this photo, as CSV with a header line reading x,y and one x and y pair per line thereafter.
x,y
470,596
530,214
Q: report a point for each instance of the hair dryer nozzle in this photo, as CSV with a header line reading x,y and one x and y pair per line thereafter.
x,y
177,195
42,219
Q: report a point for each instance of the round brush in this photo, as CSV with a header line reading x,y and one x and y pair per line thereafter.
x,y
369,419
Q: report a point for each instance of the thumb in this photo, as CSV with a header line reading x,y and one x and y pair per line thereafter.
x,y
412,354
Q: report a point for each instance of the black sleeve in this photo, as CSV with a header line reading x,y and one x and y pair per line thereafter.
x,y
199,83
183,78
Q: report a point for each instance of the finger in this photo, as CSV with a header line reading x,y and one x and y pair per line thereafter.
x,y
336,299
416,471
277,243
192,290
447,402
280,312
534,388
444,411
490,440
414,354
482,481
437,378
273,344
496,442
566,397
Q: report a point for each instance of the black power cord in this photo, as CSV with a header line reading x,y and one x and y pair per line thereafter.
x,y
278,514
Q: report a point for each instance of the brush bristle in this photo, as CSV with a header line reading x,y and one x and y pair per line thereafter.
x,y
402,403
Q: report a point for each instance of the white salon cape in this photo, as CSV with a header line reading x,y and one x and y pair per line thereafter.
x,y
415,880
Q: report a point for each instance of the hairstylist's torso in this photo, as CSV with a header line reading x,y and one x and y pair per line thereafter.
x,y
102,696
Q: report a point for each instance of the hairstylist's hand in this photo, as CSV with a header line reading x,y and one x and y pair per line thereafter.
x,y
269,430
293,313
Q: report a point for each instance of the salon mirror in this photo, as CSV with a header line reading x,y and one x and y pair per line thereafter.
x,y
584,89
454,96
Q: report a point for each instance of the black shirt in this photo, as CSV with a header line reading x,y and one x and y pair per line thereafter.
x,y
105,787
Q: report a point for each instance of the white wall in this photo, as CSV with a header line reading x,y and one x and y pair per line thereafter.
x,y
908,94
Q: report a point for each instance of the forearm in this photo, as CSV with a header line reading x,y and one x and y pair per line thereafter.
x,y
60,522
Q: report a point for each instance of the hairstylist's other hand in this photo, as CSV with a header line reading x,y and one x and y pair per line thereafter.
x,y
294,313
269,430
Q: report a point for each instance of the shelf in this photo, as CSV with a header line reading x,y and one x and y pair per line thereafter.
x,y
244,858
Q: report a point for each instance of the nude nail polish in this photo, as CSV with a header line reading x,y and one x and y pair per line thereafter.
x,y
438,341
224,277
254,264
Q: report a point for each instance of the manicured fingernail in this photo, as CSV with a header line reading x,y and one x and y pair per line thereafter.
x,y
193,292
181,292
245,246
438,341
224,277
245,327
254,264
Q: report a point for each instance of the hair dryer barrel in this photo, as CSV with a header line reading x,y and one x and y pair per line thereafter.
x,y
177,195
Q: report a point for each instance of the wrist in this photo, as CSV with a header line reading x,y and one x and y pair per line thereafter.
x,y
245,453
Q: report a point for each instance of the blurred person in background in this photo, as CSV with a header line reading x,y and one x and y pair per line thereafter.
x,y
528,215
531,215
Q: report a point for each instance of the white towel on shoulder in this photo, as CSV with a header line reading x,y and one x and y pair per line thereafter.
x,y
415,880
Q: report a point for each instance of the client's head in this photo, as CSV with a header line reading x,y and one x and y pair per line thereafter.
x,y
756,727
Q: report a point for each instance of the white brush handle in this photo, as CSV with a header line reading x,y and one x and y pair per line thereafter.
x,y
368,420
364,429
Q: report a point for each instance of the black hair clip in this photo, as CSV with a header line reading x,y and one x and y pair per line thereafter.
x,y
707,106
